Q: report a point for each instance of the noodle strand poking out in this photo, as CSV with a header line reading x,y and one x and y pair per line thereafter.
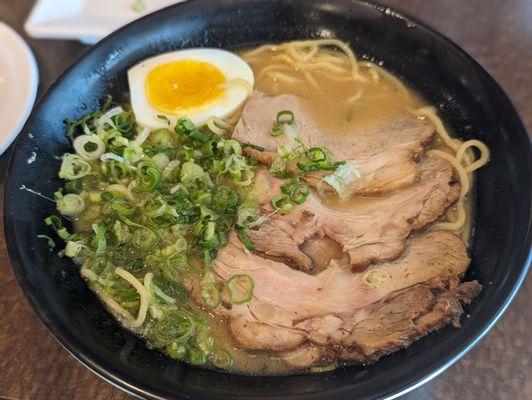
x,y
143,293
462,163
307,56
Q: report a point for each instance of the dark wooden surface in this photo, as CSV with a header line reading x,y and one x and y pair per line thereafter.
x,y
498,34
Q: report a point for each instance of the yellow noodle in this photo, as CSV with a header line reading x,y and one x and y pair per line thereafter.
x,y
459,221
259,50
305,55
115,307
430,113
275,67
482,160
389,77
462,174
292,50
143,293
283,77
339,44
335,77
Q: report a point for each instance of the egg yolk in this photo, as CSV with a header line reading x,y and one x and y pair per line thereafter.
x,y
185,86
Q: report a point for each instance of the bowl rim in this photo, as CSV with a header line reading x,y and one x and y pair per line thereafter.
x,y
92,361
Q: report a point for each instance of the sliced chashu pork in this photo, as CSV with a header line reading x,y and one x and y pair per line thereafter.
x,y
371,232
398,301
385,152
388,326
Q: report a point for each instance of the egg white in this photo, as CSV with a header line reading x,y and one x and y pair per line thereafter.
x,y
231,66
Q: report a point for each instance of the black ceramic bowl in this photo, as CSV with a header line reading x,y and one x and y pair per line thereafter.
x,y
472,104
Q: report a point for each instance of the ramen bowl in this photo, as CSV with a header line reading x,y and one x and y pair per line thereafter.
x,y
469,100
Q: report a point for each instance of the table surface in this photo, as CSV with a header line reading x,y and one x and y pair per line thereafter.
x,y
497,33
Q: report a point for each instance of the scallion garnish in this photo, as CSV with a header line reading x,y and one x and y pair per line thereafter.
x,y
240,289
164,118
282,203
148,176
245,239
154,205
285,117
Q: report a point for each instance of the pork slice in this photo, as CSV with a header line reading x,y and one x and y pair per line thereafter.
x,y
384,152
373,232
289,306
252,335
403,318
258,117
276,243
304,356
379,174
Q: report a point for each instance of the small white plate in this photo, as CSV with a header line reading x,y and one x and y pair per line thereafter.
x,y
19,78
86,20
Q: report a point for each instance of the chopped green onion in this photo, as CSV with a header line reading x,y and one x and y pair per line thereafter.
x,y
115,170
70,204
252,146
99,242
224,198
55,222
277,130
247,213
73,187
207,148
298,193
221,358
285,117
118,204
161,160
191,172
72,248
174,265
185,127
164,118
172,170
196,357
278,168
50,241
177,325
307,167
231,146
89,147
148,176
325,165
125,123
144,239
176,350
240,289
211,296
282,203
155,207
74,167
316,154
342,178
121,232
162,137
245,239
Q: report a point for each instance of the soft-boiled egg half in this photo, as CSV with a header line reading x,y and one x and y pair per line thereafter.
x,y
195,83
